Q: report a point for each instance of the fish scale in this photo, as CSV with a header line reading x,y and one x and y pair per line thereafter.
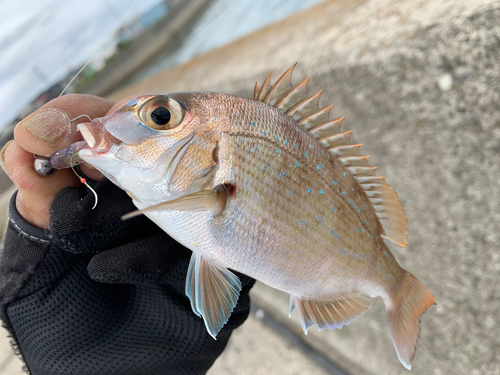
x,y
244,185
288,136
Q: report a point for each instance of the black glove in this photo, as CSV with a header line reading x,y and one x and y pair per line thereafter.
x,y
130,316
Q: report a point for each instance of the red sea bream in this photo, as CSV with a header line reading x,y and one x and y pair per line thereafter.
x,y
269,187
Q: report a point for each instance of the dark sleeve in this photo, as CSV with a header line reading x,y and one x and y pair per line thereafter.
x,y
132,318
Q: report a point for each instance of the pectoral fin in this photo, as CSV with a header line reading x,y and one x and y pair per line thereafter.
x,y
213,291
206,200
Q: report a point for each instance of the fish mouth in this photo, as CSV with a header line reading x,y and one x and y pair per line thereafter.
x,y
99,141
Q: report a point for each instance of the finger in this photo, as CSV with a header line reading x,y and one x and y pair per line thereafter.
x,y
49,129
35,193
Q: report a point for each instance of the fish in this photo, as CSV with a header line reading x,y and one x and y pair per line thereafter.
x,y
270,187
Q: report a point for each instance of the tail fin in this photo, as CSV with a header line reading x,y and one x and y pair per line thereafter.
x,y
404,312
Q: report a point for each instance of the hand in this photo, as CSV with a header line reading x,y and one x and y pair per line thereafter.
x,y
44,132
91,293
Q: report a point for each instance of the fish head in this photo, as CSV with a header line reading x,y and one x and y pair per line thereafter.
x,y
156,147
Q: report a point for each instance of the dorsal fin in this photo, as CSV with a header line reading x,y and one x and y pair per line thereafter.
x,y
294,101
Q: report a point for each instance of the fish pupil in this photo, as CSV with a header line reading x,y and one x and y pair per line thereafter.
x,y
160,116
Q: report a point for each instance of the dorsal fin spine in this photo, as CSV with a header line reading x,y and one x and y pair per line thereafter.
x,y
351,149
297,107
319,117
354,160
282,103
341,139
281,81
265,87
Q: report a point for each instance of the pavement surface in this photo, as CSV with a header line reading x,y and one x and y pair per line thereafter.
x,y
419,83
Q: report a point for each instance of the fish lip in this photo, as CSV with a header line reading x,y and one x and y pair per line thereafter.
x,y
98,139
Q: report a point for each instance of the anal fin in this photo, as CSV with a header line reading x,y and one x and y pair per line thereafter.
x,y
213,291
329,314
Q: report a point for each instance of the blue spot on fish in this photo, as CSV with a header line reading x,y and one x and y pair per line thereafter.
x,y
258,110
319,166
343,193
265,167
361,256
344,174
286,142
264,133
296,145
359,210
253,123
334,209
322,192
385,253
310,146
308,190
282,173
362,230
297,163
277,138
334,182
305,154
319,219
336,235
322,152
256,148
277,151
356,229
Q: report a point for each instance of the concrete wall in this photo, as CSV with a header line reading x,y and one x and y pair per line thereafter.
x,y
419,83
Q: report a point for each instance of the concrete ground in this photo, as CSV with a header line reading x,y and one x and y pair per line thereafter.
x,y
419,83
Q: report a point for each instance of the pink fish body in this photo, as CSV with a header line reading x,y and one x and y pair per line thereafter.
x,y
268,187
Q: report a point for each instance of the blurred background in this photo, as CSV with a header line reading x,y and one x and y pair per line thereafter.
x,y
419,83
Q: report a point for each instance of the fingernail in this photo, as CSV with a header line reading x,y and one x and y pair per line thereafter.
x,y
50,125
2,157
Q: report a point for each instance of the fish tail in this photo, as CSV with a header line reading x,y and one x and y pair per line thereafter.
x,y
404,310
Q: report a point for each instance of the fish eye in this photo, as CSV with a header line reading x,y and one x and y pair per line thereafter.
x,y
161,112
160,116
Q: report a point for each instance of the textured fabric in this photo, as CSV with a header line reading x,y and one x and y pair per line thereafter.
x,y
100,296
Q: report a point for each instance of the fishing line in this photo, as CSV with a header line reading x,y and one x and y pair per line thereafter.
x,y
95,53
82,180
